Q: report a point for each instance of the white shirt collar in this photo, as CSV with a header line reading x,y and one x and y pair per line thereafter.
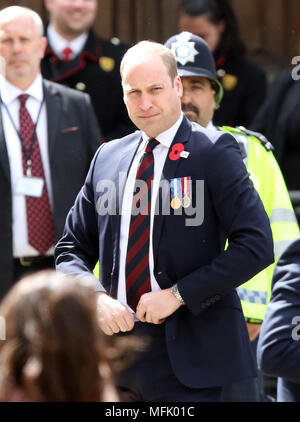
x,y
165,138
210,126
58,43
10,92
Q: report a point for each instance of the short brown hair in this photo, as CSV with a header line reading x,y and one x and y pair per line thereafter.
x,y
144,47
54,348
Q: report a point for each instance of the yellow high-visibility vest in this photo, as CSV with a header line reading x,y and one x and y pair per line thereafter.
x,y
268,181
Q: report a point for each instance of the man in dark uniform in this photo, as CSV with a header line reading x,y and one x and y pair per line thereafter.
x,y
76,57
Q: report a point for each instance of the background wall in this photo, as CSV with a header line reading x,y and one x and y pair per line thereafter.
x,y
270,28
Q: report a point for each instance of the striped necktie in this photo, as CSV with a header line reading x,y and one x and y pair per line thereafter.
x,y
137,259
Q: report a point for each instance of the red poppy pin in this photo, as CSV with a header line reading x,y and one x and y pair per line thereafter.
x,y
175,152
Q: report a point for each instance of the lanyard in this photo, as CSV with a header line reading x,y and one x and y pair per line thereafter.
x,y
27,153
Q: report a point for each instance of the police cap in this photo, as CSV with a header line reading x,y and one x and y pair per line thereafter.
x,y
194,58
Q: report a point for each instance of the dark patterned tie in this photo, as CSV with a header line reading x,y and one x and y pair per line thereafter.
x,y
137,259
39,218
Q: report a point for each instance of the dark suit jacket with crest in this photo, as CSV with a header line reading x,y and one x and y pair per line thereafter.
x,y
207,339
73,138
96,71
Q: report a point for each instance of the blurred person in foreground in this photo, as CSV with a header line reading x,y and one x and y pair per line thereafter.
x,y
278,346
48,136
156,210
54,350
202,93
77,57
244,82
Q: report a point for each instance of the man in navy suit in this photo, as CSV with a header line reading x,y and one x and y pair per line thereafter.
x,y
278,346
58,157
201,195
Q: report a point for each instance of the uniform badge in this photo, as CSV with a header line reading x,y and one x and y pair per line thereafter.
x,y
229,82
184,49
107,63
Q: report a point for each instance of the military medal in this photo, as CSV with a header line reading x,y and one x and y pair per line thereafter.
x,y
175,194
186,200
176,203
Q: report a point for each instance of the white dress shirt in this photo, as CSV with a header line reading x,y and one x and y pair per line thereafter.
x,y
160,154
58,43
9,95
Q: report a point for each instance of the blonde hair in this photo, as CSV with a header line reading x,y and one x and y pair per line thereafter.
x,y
151,47
13,12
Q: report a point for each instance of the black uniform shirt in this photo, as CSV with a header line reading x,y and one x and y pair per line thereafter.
x,y
245,88
96,70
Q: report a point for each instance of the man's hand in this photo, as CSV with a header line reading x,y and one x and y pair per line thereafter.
x,y
113,316
253,330
155,307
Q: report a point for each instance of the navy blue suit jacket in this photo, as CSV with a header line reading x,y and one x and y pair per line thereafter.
x,y
207,339
279,342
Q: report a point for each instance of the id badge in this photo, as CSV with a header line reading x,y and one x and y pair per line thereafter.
x,y
30,186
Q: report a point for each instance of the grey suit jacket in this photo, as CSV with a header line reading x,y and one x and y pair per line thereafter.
x,y
73,138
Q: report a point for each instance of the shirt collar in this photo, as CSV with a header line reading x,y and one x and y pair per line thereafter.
x,y
166,138
210,126
10,92
58,43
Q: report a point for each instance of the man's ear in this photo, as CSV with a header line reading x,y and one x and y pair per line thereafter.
x,y
43,45
178,84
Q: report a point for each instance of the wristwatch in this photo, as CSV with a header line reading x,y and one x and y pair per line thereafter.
x,y
177,294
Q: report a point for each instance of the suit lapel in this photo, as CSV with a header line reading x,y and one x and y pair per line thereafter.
x,y
168,173
124,165
3,151
53,105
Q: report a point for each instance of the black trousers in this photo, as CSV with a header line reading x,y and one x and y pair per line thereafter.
x,y
151,378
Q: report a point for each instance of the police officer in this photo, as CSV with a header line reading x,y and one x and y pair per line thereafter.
x,y
202,93
78,58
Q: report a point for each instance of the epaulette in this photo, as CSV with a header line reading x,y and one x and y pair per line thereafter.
x,y
264,141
